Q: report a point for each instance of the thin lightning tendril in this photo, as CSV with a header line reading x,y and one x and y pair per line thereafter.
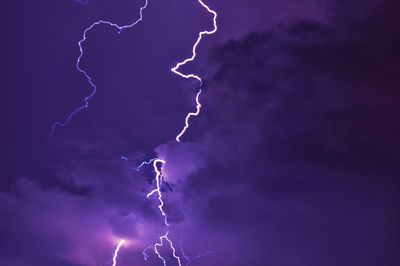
x,y
85,73
199,255
145,163
160,244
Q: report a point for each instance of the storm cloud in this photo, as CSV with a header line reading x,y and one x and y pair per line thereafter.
x,y
293,160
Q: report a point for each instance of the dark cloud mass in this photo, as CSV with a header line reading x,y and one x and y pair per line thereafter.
x,y
292,162
301,129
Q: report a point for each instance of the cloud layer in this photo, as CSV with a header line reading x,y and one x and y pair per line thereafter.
x,y
293,160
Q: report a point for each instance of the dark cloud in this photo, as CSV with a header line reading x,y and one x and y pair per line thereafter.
x,y
300,126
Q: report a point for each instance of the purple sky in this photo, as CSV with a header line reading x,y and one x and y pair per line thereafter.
x,y
294,160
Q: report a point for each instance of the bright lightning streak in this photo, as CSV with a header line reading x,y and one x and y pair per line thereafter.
x,y
158,188
191,75
198,106
171,245
87,76
160,244
115,257
157,191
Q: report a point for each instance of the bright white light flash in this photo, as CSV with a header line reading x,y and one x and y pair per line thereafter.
x,y
115,257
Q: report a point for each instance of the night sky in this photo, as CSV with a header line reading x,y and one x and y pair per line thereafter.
x,y
293,160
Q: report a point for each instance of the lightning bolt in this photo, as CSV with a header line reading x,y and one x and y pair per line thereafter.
x,y
84,72
157,190
160,244
176,71
115,257
156,161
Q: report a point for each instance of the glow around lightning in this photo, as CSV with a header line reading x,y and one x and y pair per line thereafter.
x,y
84,72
